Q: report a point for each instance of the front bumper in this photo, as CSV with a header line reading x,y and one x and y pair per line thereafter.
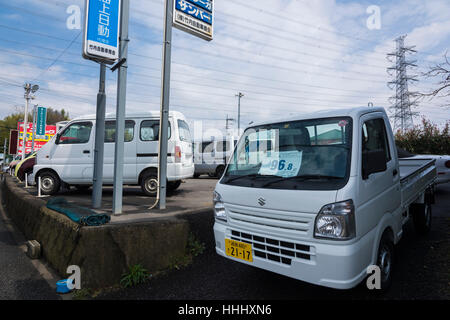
x,y
340,266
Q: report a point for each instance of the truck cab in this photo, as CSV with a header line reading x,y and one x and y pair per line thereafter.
x,y
318,197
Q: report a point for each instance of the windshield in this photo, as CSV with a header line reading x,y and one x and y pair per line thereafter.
x,y
307,154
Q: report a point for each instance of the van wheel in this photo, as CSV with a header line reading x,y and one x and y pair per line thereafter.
x,y
385,261
149,184
173,185
50,182
422,217
219,171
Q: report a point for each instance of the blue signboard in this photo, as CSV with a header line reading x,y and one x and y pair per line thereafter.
x,y
102,27
195,17
41,121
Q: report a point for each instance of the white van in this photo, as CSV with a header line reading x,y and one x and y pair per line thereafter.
x,y
69,156
210,157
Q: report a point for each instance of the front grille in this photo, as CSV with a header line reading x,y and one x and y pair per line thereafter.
x,y
275,250
293,224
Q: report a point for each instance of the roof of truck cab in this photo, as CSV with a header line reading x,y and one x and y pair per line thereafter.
x,y
329,113
133,115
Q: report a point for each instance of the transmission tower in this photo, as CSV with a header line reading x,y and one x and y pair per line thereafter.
x,y
401,103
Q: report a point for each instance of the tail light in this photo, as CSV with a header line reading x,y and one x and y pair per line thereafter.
x,y
447,164
177,154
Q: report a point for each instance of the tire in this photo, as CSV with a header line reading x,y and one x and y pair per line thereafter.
x,y
219,171
196,175
173,185
149,184
50,182
422,217
385,261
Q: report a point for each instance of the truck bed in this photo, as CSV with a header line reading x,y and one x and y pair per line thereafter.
x,y
415,176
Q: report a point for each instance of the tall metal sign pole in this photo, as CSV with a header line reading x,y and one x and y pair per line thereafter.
x,y
101,44
99,141
195,17
120,109
164,116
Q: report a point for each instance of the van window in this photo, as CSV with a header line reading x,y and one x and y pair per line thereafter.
x,y
110,131
223,146
150,130
207,146
374,137
76,133
183,128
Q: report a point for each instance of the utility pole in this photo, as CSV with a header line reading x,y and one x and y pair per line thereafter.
x,y
29,89
403,116
165,95
239,95
120,109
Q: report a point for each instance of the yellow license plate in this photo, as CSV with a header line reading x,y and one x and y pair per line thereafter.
x,y
237,249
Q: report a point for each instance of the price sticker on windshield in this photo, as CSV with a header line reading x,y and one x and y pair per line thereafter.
x,y
284,164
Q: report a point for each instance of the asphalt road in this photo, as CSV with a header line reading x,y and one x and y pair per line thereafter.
x,y
19,278
422,271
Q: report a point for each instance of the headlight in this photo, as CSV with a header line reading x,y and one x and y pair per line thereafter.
x,y
336,221
219,207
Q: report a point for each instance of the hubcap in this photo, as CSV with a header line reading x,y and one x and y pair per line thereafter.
x,y
151,185
427,216
47,183
385,262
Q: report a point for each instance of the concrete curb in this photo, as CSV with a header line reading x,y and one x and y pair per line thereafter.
x,y
103,253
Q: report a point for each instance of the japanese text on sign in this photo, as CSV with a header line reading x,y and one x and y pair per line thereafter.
x,y
102,29
195,17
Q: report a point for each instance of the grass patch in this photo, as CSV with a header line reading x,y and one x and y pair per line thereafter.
x,y
136,274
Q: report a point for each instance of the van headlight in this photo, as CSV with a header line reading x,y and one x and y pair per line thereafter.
x,y
219,207
336,221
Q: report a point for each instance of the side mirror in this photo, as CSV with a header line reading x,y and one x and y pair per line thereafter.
x,y
58,135
372,162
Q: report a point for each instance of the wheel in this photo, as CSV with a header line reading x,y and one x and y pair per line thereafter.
x,y
385,261
219,171
50,182
422,216
196,175
173,185
149,184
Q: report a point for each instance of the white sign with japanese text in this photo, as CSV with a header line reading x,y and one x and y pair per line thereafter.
x,y
195,17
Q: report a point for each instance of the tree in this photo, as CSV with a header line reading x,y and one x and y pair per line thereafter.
x,y
10,122
425,138
441,71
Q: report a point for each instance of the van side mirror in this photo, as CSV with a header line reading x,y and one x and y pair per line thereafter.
x,y
58,135
373,161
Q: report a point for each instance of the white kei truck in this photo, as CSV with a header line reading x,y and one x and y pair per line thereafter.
x,y
321,197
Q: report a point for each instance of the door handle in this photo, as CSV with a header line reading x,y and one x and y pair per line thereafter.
x,y
86,151
395,172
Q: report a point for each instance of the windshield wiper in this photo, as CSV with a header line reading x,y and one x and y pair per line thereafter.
x,y
302,178
253,175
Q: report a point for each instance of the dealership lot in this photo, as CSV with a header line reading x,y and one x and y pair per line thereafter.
x,y
422,272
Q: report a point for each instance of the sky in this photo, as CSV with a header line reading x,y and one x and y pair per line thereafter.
x,y
285,56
